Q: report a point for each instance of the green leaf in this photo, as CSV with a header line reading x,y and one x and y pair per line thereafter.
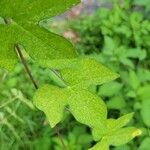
x,y
8,57
13,34
145,144
51,49
86,107
109,46
112,126
143,74
116,102
87,72
127,62
35,10
131,94
37,41
145,112
102,145
123,136
58,64
56,78
136,53
117,138
133,79
143,92
110,89
115,124
52,100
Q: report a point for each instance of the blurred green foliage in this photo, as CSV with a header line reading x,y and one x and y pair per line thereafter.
x,y
119,38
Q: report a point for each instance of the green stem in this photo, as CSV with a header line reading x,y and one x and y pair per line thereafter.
x,y
26,66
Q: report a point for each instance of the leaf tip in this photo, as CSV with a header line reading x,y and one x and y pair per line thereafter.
x,y
117,75
131,114
137,132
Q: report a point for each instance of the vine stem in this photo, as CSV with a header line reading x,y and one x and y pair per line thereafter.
x,y
26,66
19,51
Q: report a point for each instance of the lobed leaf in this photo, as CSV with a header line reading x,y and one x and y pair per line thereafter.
x,y
39,43
86,107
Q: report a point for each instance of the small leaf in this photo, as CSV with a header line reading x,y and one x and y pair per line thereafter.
x,y
112,126
88,72
133,79
116,102
110,89
143,92
109,46
127,62
123,136
131,94
115,124
136,53
145,112
145,144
